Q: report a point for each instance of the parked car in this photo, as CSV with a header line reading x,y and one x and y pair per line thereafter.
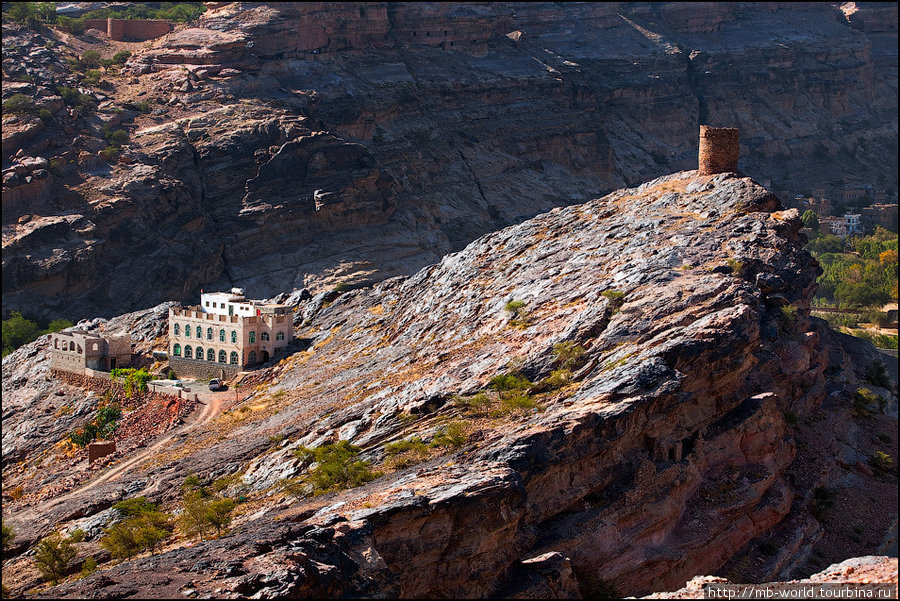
x,y
216,384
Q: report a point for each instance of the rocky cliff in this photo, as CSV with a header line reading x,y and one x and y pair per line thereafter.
x,y
282,145
682,415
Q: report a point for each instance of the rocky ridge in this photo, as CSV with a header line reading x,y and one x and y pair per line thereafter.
x,y
280,145
707,406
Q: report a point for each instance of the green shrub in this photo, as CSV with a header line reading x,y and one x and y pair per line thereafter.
x,y
787,317
568,353
864,402
45,116
110,154
72,97
89,60
200,513
119,58
476,405
142,531
557,379
406,452
88,567
509,381
220,484
92,77
143,106
878,340
518,315
53,554
516,403
452,436
7,536
737,267
135,507
616,299
31,14
881,461
103,426
18,103
70,25
877,374
18,331
337,468
115,137
191,481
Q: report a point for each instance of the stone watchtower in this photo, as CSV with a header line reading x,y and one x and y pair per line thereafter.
x,y
719,149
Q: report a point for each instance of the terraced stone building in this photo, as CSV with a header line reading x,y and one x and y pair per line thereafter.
x,y
225,333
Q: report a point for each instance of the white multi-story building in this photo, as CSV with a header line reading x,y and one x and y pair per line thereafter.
x,y
225,333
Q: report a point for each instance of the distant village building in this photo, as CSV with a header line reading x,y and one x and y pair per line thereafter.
x,y
78,350
225,333
848,225
884,215
852,192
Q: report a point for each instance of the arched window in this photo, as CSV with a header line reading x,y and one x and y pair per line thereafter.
x,y
222,358
279,336
251,358
176,350
264,336
210,355
200,353
234,358
252,337
209,333
176,329
56,343
233,336
221,335
187,331
188,353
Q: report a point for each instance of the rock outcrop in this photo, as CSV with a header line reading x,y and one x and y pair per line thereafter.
x,y
282,145
866,573
684,416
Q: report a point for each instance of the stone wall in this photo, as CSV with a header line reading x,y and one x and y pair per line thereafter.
x,y
719,150
202,369
132,29
96,450
67,361
103,386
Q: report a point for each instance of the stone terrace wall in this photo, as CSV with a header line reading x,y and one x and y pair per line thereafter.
x,y
102,386
132,29
202,369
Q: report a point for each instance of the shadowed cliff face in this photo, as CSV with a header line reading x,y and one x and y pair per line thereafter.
x,y
303,144
700,419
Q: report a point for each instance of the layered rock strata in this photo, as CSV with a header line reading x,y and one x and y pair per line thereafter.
x,y
442,122
704,414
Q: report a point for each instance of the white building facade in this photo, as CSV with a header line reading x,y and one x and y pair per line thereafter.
x,y
225,333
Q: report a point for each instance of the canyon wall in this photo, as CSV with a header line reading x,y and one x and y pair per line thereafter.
x,y
305,144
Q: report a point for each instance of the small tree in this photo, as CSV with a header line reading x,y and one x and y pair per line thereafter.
x,y
88,567
7,536
53,554
193,520
89,60
811,220
338,467
218,513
